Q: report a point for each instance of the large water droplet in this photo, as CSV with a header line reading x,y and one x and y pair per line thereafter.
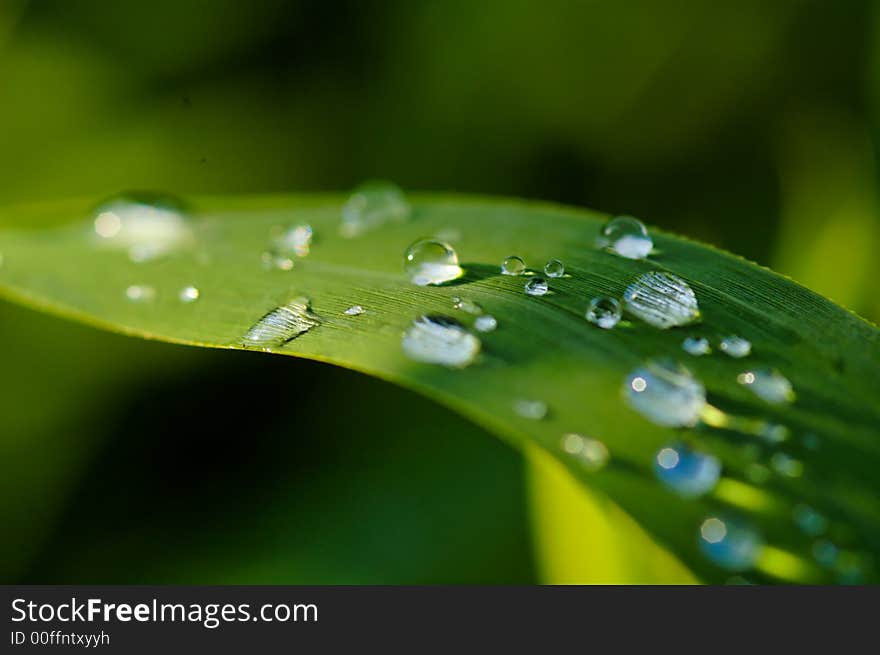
x,y
687,472
189,294
768,384
661,299
486,323
696,346
513,265
147,226
666,393
604,311
735,346
730,544
435,339
591,453
281,325
371,205
554,268
627,237
140,293
537,286
431,262
531,409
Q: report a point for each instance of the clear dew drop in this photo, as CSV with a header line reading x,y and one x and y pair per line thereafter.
x,y
696,346
146,226
372,205
666,393
626,236
735,346
486,323
661,299
730,544
435,339
554,268
189,294
687,472
768,384
513,265
537,286
281,325
592,454
466,305
140,293
354,310
294,241
604,311
431,262
809,521
530,409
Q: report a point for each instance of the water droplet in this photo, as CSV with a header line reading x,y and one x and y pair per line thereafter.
x,y
436,339
466,305
735,346
371,205
354,310
189,294
696,346
662,300
281,325
825,553
591,453
486,323
140,293
627,237
281,262
729,544
531,409
537,286
431,262
687,472
147,226
809,520
604,311
666,393
768,384
554,268
773,432
513,265
291,242
785,464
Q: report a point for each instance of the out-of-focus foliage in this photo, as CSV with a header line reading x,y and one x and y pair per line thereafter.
x,y
729,124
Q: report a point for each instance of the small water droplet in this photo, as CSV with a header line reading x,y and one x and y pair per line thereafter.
x,y
666,393
281,262
810,441
736,347
825,553
662,300
768,384
486,323
687,472
147,226
696,346
730,544
140,293
604,311
436,339
295,241
809,520
554,268
281,325
189,294
773,432
431,262
531,409
537,286
354,310
591,453
785,464
467,305
626,236
513,265
371,205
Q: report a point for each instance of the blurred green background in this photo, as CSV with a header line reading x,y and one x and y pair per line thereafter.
x,y
749,125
